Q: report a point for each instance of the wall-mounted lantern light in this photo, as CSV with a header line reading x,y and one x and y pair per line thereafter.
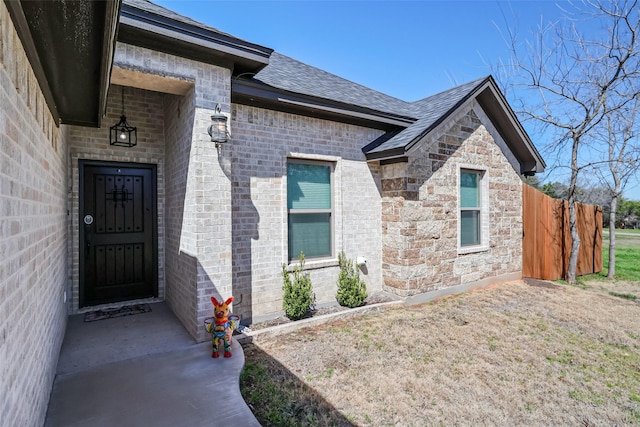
x,y
121,133
218,130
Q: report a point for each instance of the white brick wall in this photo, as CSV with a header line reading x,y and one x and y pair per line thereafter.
x,y
211,218
262,141
212,84
33,237
181,264
198,186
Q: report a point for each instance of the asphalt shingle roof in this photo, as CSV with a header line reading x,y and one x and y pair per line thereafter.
x,y
295,76
287,74
431,111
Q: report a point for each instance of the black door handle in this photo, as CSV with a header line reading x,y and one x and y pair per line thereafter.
x,y
87,238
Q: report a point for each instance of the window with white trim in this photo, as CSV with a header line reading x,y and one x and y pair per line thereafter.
x,y
470,207
310,208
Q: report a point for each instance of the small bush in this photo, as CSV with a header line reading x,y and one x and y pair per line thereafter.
x,y
298,298
352,291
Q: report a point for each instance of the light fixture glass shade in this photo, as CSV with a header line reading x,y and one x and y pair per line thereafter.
x,y
122,134
218,129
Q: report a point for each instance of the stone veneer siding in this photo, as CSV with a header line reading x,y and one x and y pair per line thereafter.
x,y
261,142
420,213
33,237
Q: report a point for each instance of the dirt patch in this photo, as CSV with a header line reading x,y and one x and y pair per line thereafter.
x,y
512,354
282,320
541,283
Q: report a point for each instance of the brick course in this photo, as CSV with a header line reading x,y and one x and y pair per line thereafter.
x,y
261,143
33,237
181,265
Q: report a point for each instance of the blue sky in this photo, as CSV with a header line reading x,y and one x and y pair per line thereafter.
x,y
407,49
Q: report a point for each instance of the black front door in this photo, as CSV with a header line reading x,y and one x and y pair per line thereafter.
x,y
118,232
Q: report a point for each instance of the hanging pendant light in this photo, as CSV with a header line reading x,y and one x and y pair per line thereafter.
x,y
121,133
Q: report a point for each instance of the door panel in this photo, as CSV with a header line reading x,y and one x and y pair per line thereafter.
x,y
118,253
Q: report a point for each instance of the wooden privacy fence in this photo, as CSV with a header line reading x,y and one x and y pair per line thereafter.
x,y
546,244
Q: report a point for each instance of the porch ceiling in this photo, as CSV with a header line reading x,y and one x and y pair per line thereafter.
x,y
146,81
70,47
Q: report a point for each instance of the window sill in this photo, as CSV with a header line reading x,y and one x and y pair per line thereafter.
x,y
472,249
314,264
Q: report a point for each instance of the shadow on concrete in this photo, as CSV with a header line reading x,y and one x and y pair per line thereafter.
x,y
144,369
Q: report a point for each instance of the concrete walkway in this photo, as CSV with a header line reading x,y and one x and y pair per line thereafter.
x,y
144,370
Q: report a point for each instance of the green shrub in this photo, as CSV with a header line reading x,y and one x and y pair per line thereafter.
x,y
298,298
352,291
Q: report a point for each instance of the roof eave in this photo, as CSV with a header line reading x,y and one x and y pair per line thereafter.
x,y
504,119
387,155
63,63
112,19
251,92
402,151
145,29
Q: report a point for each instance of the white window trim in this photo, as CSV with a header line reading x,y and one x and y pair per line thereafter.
x,y
336,217
484,209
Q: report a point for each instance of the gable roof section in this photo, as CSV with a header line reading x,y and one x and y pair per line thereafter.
x,y
431,112
307,90
434,110
507,124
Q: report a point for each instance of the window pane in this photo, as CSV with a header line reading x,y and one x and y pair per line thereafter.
x,y
469,194
309,233
469,228
308,186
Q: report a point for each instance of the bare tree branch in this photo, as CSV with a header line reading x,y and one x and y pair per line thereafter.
x,y
583,76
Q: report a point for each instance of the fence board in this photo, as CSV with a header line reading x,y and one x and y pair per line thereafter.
x,y
590,232
546,244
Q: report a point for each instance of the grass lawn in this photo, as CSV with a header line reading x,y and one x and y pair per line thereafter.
x,y
625,230
627,255
511,354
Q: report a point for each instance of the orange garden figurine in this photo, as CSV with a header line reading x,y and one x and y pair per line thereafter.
x,y
220,327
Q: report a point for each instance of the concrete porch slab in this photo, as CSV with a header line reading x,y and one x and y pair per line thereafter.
x,y
136,371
